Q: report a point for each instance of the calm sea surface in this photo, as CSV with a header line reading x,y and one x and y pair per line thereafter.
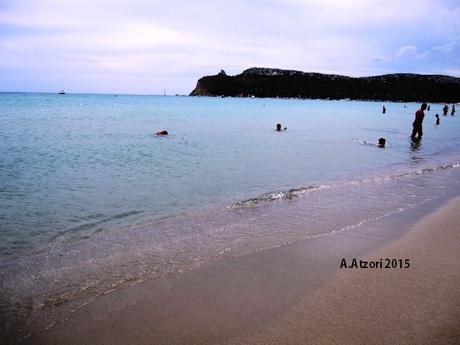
x,y
91,198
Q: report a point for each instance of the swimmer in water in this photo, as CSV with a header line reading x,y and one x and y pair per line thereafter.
x,y
162,133
278,128
382,142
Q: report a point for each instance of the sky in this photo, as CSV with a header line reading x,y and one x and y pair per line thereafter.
x,y
149,46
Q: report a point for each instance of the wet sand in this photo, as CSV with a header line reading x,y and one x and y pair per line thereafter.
x,y
296,294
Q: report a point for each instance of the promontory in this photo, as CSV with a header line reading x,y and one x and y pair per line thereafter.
x,y
273,82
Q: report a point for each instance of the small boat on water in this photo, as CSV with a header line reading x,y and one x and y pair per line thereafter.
x,y
62,92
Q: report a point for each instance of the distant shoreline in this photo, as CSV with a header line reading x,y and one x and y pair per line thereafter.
x,y
223,96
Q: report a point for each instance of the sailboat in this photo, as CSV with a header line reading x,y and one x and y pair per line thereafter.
x,y
62,89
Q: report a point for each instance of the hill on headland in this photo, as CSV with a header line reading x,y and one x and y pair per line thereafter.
x,y
272,82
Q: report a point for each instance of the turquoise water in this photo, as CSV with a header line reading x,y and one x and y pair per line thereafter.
x,y
91,198
77,164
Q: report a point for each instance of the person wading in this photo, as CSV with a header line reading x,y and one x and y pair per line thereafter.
x,y
417,124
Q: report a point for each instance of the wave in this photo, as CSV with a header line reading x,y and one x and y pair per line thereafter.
x,y
92,225
280,195
296,192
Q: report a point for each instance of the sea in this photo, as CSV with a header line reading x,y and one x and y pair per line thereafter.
x,y
91,200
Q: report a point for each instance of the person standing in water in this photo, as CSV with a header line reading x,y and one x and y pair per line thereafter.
x,y
384,110
453,110
445,110
437,119
417,124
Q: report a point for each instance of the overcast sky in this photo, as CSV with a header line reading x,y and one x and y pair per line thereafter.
x,y
146,46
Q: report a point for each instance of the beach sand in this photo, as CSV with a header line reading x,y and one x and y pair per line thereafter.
x,y
296,294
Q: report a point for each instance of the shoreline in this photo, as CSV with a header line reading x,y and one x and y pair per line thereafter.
x,y
420,305
240,300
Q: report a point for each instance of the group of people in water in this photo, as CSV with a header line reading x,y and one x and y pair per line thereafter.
x,y
381,142
417,125
445,110
417,128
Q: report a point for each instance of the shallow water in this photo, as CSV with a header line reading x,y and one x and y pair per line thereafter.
x,y
91,199
76,165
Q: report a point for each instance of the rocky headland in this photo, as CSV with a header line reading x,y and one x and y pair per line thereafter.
x,y
273,82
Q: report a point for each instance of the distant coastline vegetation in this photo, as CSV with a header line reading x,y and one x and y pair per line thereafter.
x,y
274,83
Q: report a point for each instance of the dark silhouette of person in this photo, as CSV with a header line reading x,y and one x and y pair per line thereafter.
x,y
437,119
162,133
445,110
278,127
453,110
384,110
382,142
417,124
428,108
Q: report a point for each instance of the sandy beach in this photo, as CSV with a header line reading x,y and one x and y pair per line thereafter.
x,y
417,305
296,294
